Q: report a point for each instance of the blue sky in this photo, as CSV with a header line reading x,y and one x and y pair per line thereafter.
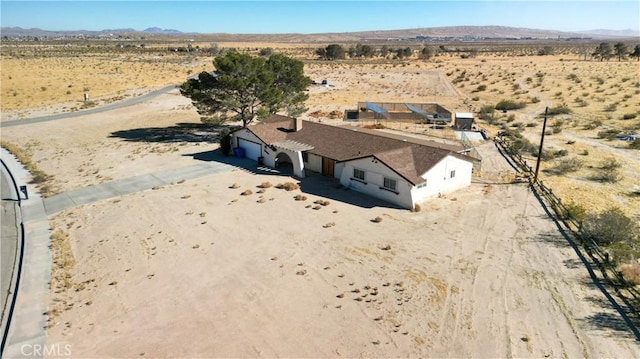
x,y
318,16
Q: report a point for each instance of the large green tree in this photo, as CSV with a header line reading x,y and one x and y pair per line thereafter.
x,y
331,52
620,49
603,51
247,88
636,52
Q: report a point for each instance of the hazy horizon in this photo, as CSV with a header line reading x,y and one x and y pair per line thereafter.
x,y
310,17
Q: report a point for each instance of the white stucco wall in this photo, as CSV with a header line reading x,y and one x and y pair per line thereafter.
x,y
375,172
439,178
338,168
314,163
247,135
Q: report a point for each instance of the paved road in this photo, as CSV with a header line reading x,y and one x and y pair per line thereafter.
x,y
9,239
109,107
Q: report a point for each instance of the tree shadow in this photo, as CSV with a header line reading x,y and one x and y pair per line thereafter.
x,y
612,323
553,238
181,132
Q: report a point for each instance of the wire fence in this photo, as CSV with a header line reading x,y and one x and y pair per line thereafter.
x,y
599,257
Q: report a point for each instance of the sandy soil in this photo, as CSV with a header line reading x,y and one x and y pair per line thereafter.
x,y
198,270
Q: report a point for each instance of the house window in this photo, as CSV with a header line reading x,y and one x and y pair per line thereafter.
x,y
422,185
390,184
358,174
453,174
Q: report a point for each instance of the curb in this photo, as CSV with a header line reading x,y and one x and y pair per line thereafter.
x,y
29,321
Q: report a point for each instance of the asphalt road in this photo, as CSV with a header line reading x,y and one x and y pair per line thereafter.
x,y
8,238
109,107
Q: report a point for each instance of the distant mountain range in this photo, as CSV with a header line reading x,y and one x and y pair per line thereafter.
x,y
35,32
488,32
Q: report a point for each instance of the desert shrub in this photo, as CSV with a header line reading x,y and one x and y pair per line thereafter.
x,y
565,166
288,186
609,226
560,153
575,211
608,134
535,100
475,98
609,171
511,118
246,193
557,126
593,124
480,88
562,109
417,208
300,197
487,113
377,220
265,185
629,116
573,77
505,105
610,164
523,145
611,108
635,144
631,272
234,186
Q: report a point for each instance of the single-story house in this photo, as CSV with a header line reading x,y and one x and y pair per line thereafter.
x,y
398,169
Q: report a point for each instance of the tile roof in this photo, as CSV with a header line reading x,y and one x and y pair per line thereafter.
x,y
409,157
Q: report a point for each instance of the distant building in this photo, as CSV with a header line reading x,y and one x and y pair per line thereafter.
x,y
463,121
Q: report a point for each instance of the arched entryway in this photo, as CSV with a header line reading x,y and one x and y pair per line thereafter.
x,y
284,163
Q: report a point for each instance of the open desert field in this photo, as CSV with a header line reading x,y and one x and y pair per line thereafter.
x,y
197,269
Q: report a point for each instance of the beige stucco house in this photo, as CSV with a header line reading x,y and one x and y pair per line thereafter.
x,y
401,170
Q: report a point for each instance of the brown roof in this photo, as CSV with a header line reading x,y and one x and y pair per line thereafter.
x,y
409,157
273,129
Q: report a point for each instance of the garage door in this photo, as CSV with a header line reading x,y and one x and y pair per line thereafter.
x,y
252,149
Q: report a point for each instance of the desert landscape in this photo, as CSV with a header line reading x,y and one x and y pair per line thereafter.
x,y
229,265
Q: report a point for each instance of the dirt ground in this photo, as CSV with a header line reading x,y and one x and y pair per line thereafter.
x,y
198,270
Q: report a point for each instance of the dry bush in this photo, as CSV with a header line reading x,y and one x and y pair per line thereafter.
x,y
289,186
377,220
329,225
377,126
322,202
565,166
38,177
631,272
234,186
247,193
265,185
300,197
417,208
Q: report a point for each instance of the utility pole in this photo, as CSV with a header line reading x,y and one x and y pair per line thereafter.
x,y
544,128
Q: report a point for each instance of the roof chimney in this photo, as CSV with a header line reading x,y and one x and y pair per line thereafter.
x,y
297,124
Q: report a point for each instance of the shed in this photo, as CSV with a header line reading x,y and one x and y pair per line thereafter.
x,y
464,120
